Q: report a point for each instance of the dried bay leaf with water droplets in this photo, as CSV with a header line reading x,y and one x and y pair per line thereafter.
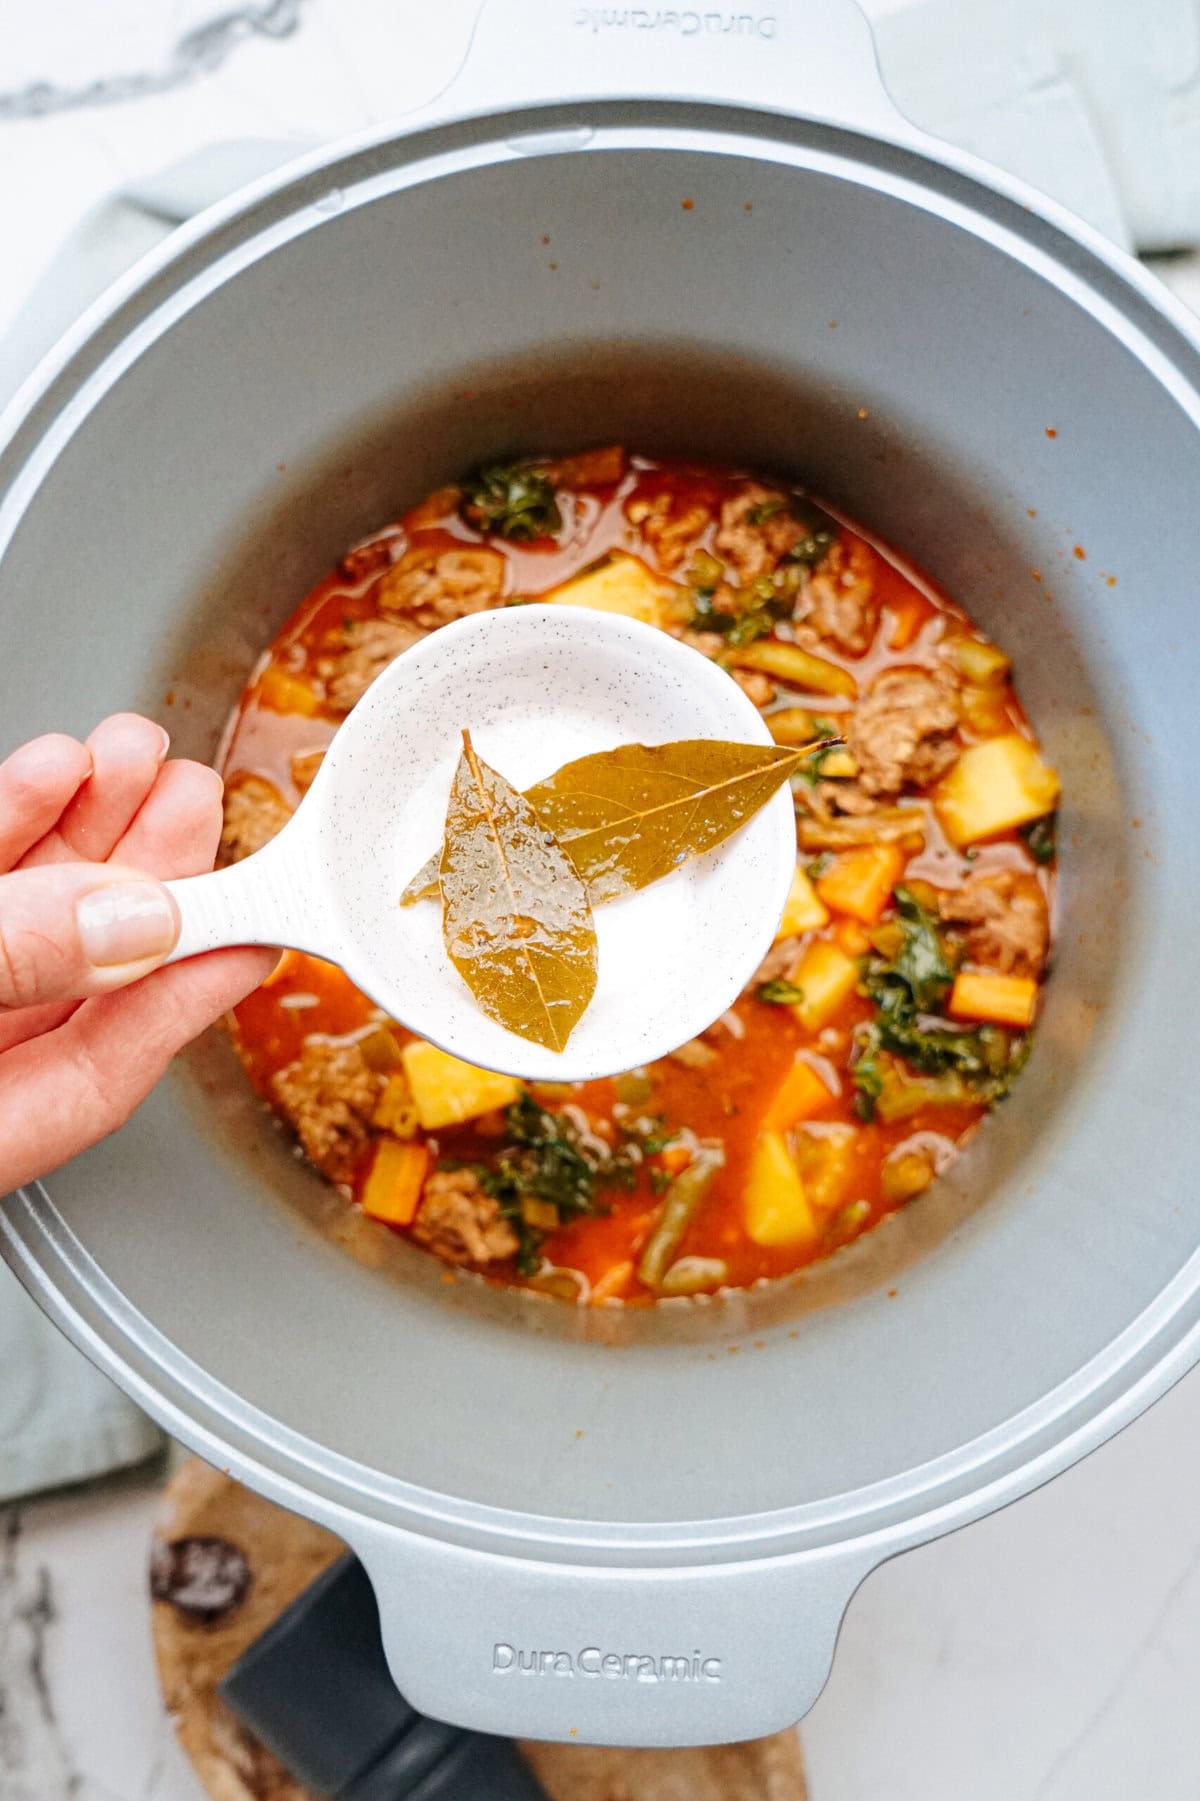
x,y
515,913
626,817
426,884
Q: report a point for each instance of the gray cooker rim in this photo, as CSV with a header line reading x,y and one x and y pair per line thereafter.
x,y
1031,1447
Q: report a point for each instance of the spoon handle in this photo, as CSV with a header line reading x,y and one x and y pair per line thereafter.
x,y
268,898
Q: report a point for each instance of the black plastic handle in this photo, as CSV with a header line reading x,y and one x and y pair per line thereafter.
x,y
316,1690
473,1768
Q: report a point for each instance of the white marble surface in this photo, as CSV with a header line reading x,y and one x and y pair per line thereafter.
x,y
1046,1654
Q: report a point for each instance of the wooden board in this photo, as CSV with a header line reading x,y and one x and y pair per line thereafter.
x,y
285,1554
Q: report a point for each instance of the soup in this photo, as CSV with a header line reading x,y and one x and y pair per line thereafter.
x,y
896,1005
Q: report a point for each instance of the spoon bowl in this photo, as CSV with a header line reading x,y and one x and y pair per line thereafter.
x,y
536,686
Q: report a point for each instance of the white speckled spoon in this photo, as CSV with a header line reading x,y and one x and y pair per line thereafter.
x,y
536,686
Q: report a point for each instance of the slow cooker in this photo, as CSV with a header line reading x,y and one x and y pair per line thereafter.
x,y
693,231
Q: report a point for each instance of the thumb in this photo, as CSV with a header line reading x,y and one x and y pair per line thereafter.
x,y
69,930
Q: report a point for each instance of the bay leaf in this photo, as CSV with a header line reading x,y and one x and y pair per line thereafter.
x,y
629,816
515,913
426,884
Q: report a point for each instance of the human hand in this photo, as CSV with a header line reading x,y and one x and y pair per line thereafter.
x,y
88,1021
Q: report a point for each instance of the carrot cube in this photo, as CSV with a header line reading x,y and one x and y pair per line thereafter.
x,y
801,1094
860,881
909,613
1005,1000
852,937
393,1188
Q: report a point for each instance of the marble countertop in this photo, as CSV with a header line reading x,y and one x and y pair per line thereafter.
x,y
1045,1654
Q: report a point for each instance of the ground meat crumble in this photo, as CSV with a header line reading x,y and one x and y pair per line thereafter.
x,y
752,547
434,586
370,646
458,1222
254,811
329,1094
1008,920
903,732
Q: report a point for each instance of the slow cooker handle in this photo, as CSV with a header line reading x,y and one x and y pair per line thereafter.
x,y
623,1654
812,57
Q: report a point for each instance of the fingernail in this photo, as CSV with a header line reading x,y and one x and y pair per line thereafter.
x,y
125,923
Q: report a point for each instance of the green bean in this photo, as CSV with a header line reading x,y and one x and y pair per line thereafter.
x,y
633,1087
694,1275
683,1197
563,1284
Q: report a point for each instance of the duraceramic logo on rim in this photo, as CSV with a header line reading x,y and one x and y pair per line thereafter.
x,y
615,1666
684,22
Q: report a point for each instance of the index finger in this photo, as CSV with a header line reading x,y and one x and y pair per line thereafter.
x,y
36,783
127,753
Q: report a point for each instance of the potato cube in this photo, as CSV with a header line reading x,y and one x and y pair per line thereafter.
x,y
801,1094
622,584
839,765
392,1191
982,994
792,726
281,692
542,1214
860,881
981,662
985,710
802,911
776,1207
994,786
447,1091
828,977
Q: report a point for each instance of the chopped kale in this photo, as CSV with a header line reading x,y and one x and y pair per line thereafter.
x,y
921,965
868,1080
767,509
750,626
780,994
820,534
735,628
544,1160
813,548
513,500
748,613
908,989
1041,837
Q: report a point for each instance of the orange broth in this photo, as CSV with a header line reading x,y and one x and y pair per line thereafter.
x,y
757,1044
